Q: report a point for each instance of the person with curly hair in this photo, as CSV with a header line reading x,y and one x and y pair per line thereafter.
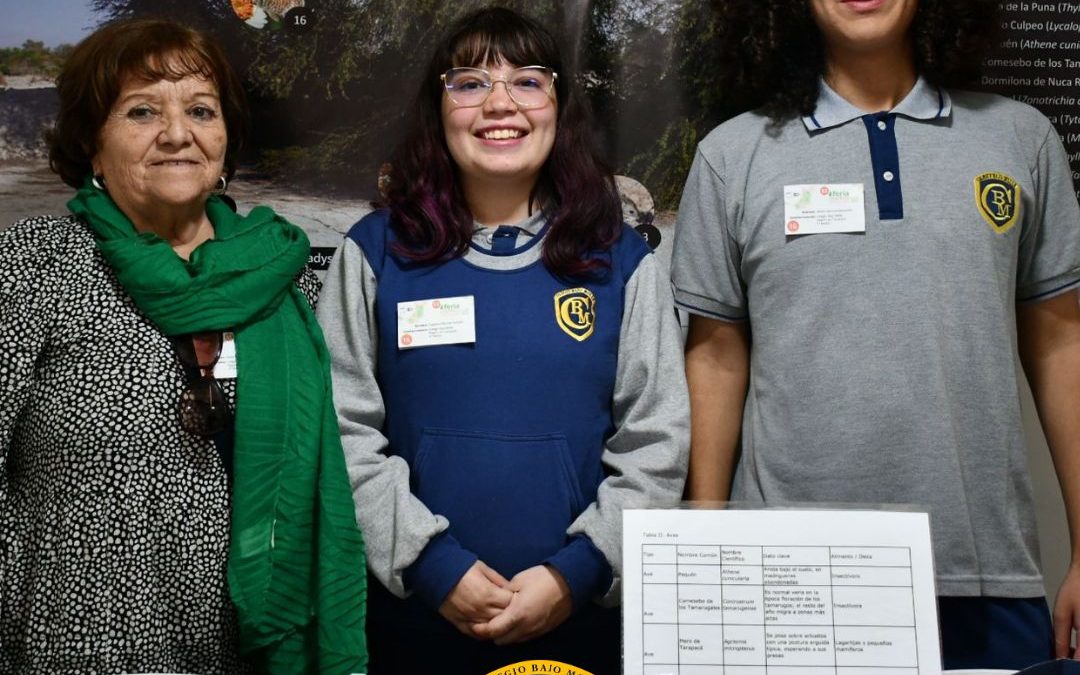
x,y
862,256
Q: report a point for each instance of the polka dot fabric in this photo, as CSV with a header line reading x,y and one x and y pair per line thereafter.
x,y
114,522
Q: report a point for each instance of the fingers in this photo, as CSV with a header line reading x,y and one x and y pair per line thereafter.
x,y
541,602
507,620
530,619
1063,630
492,600
1067,615
480,597
493,576
518,631
485,606
1062,633
476,599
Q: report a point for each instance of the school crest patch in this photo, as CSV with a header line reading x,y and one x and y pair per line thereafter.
x,y
575,312
539,666
997,197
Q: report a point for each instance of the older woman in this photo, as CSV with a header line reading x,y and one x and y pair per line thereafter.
x,y
507,368
173,495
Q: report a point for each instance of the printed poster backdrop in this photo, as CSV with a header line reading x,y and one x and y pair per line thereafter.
x,y
330,82
1038,63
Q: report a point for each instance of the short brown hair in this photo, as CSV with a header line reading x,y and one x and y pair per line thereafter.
x,y
148,49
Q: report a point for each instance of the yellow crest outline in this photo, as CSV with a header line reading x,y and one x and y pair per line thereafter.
x,y
539,666
997,197
575,312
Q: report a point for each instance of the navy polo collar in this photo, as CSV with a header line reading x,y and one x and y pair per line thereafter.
x,y
923,102
501,240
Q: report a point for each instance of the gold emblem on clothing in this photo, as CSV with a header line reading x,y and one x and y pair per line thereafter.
x,y
575,312
539,666
998,198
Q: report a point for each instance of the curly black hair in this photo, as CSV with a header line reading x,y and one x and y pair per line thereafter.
x,y
770,52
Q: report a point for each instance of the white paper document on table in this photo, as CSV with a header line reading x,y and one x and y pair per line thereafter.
x,y
778,592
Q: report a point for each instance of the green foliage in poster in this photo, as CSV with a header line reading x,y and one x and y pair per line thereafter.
x,y
33,58
662,168
329,101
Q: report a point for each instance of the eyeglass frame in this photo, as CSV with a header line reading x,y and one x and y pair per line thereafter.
x,y
506,85
181,343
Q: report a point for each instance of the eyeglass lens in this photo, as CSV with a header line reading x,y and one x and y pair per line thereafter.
x,y
203,409
199,350
529,87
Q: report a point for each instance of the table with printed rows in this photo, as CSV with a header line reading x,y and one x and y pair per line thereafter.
x,y
777,610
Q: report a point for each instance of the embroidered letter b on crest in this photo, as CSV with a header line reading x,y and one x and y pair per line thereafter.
x,y
997,197
575,312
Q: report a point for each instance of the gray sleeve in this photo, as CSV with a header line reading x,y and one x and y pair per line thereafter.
x,y
646,458
1049,259
705,258
396,525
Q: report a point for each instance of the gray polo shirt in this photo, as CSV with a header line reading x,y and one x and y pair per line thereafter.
x,y
882,365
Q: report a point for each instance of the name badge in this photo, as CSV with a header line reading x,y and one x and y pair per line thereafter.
x,y
438,321
818,209
225,368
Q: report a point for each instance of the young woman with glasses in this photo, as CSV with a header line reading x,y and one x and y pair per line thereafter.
x,y
506,366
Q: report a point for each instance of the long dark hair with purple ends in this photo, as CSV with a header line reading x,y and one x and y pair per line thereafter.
x,y
575,188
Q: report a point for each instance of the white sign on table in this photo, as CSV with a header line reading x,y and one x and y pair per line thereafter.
x,y
778,592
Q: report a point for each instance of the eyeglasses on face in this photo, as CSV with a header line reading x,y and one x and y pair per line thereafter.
x,y
203,409
528,87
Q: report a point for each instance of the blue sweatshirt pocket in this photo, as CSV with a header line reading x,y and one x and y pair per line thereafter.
x,y
508,498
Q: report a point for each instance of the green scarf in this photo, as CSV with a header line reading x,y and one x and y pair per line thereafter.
x,y
296,558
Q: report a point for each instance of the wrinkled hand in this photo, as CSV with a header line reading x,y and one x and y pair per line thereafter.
x,y
478,597
541,601
1067,614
